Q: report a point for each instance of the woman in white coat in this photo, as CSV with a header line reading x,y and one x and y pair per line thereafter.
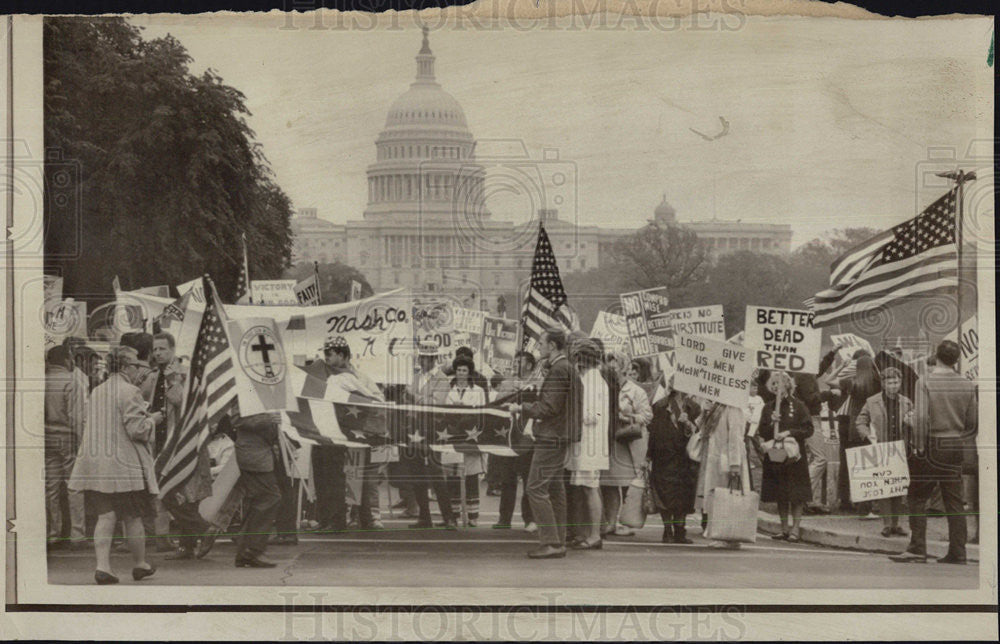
x,y
465,393
723,458
589,456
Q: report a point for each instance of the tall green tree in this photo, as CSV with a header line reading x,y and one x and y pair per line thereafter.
x,y
152,172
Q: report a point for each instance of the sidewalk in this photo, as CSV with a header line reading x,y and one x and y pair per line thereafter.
x,y
849,532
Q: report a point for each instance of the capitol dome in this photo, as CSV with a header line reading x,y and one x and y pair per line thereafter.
x,y
665,213
425,156
425,104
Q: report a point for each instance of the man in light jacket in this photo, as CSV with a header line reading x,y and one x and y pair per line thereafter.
x,y
945,421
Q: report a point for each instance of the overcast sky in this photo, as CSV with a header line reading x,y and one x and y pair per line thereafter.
x,y
830,119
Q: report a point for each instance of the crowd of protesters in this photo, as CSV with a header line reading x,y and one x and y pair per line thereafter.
x,y
600,422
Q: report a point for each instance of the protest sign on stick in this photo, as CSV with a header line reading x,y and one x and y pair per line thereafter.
x,y
969,343
848,343
877,471
702,321
500,344
647,321
718,371
610,328
263,366
274,292
784,339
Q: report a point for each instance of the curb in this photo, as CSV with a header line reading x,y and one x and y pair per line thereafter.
x,y
769,524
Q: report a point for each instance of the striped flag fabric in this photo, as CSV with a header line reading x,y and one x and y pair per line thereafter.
x,y
545,304
917,256
211,395
243,295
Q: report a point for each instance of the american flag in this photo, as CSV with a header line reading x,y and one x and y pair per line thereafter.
x,y
545,304
243,294
211,395
917,256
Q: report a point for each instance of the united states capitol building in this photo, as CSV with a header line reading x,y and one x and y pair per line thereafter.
x,y
427,225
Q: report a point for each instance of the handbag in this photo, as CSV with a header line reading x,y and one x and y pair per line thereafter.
x,y
732,515
783,451
628,433
634,509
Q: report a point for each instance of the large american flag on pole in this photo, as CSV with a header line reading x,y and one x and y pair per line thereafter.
x,y
211,395
545,303
917,256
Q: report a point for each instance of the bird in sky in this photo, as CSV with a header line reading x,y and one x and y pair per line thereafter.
x,y
724,132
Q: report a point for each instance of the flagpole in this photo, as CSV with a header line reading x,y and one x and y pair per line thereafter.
x,y
319,289
959,177
246,268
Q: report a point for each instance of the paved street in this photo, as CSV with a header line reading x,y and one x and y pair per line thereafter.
x,y
398,556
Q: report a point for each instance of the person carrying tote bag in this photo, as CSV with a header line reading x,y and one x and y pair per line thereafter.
x,y
723,462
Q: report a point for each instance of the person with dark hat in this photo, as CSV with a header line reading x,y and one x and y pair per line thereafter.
x,y
327,460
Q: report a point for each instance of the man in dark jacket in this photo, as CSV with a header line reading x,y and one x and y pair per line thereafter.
x,y
255,438
557,416
327,460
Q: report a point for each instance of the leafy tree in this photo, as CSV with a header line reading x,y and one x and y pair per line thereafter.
x,y
334,280
743,278
823,250
655,255
152,173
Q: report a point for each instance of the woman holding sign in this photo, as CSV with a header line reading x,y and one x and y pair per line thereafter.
x,y
786,470
886,418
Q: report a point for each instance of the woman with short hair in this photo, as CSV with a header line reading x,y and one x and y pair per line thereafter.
x,y
785,482
114,468
466,393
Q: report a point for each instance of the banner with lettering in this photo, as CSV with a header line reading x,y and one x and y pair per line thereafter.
x,y
433,324
647,321
197,289
702,321
718,371
274,292
500,344
610,329
64,319
469,329
378,329
877,471
785,339
307,291
848,343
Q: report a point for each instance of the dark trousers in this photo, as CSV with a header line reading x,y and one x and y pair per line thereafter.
x,y
547,492
286,523
471,495
673,526
940,467
189,522
508,470
577,525
260,503
331,486
422,472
